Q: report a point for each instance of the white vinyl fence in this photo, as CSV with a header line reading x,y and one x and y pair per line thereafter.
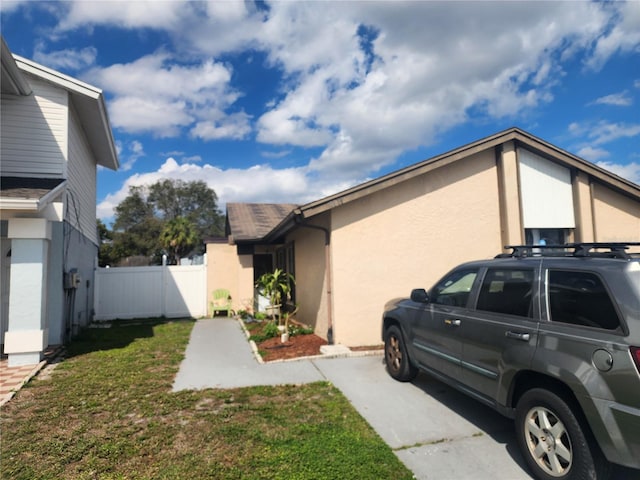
x,y
140,292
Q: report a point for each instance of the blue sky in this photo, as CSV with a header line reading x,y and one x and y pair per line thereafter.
x,y
293,101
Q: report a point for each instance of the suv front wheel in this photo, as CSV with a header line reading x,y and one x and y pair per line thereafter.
x,y
552,440
396,357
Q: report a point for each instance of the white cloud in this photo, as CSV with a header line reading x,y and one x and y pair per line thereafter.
x,y
156,95
259,183
621,99
279,154
428,64
68,59
599,133
624,36
7,6
134,152
365,81
234,126
592,154
192,159
136,14
630,171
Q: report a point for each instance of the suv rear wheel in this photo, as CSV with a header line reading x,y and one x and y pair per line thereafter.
x,y
396,357
552,440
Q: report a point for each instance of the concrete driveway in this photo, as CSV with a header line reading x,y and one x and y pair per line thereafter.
x,y
436,432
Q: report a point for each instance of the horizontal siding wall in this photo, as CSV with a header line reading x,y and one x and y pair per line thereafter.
x,y
80,204
33,133
141,292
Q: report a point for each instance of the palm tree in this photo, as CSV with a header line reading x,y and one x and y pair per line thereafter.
x,y
178,237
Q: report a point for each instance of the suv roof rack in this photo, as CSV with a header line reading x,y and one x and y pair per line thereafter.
x,y
613,250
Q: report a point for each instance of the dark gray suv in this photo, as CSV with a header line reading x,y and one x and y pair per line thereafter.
x,y
546,335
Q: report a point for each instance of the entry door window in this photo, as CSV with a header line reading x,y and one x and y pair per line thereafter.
x,y
285,260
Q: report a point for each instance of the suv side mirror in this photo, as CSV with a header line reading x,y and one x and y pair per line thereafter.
x,y
419,295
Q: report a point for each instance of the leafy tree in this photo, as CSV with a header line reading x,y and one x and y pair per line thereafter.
x,y
106,253
192,200
178,237
133,210
145,213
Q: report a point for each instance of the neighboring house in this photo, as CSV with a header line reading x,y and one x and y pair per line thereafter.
x,y
54,133
353,251
236,268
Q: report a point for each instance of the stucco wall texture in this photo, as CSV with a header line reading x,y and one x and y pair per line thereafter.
x,y
408,236
413,231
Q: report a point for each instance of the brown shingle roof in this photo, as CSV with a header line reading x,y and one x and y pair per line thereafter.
x,y
252,221
27,188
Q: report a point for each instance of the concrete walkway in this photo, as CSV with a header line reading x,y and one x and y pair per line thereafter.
x,y
435,431
219,356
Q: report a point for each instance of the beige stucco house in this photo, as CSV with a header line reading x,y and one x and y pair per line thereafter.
x,y
353,251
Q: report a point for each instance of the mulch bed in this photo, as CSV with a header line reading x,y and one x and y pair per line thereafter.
x,y
297,346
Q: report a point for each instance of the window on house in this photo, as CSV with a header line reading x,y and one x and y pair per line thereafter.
x,y
547,236
507,291
580,298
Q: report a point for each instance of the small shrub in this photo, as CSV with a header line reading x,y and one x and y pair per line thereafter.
x,y
269,330
299,330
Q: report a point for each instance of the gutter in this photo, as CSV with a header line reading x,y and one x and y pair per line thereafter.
x,y
299,221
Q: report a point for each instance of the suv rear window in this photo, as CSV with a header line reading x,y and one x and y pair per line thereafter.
x,y
507,291
580,298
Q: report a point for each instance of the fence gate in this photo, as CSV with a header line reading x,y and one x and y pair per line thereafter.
x,y
140,292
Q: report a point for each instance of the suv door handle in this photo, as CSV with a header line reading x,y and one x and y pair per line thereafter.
x,y
452,323
518,336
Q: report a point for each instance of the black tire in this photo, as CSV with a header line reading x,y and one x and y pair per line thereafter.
x,y
552,440
395,355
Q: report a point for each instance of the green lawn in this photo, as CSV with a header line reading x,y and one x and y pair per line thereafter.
x,y
107,412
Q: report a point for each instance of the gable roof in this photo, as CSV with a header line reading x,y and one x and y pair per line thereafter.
x,y
88,101
251,222
520,137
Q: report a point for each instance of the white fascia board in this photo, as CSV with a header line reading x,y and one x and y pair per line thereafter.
x,y
12,74
69,83
18,204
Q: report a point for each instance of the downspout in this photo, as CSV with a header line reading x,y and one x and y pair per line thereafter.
x,y
327,268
